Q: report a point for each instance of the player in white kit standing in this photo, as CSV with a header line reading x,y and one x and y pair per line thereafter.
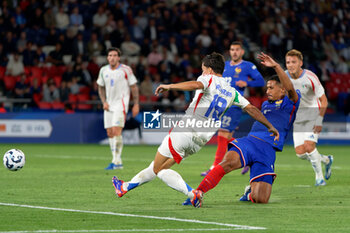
x,y
115,81
309,118
212,98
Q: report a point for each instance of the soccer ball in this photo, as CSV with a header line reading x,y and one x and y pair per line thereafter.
x,y
14,159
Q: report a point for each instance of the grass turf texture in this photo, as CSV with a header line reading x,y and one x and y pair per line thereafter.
x,y
73,177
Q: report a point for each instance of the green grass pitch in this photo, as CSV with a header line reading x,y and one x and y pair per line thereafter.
x,y
76,193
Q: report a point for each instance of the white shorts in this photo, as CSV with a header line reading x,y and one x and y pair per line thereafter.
x,y
303,131
115,118
179,145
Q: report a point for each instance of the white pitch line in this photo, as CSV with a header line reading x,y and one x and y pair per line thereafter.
x,y
131,230
241,227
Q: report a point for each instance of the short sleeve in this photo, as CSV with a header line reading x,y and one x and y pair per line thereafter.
x,y
319,90
205,80
100,81
131,77
239,100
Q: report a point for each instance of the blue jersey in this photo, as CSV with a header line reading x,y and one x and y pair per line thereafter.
x,y
243,71
281,114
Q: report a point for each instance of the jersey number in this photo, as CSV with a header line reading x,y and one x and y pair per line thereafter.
x,y
218,105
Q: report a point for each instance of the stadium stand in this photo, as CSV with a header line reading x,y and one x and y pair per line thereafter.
x,y
171,35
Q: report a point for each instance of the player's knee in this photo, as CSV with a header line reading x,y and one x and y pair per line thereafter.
x,y
309,147
260,198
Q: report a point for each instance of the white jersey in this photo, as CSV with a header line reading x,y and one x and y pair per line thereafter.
x,y
116,83
209,104
311,90
215,98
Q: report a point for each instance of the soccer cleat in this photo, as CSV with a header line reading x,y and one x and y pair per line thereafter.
x,y
245,197
320,182
187,202
111,166
245,170
328,168
197,199
118,186
119,166
205,173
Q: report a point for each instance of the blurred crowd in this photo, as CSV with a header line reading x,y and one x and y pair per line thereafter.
x,y
51,51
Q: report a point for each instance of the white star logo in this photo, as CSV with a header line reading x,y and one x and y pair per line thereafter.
x,y
156,115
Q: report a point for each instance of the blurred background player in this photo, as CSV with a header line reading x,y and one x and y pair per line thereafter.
x,y
258,149
213,96
308,123
115,81
240,74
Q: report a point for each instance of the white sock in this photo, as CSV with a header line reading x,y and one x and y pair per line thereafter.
x,y
315,160
324,159
119,147
303,156
112,145
142,177
175,181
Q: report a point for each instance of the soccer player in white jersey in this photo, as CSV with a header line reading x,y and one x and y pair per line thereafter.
x,y
213,97
309,118
115,81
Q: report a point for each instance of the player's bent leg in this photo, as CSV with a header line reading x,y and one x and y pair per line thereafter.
x,y
223,138
315,159
301,152
260,192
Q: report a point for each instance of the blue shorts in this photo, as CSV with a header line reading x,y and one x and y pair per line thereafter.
x,y
231,118
257,154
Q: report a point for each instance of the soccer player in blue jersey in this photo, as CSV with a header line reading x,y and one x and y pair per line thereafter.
x,y
240,74
258,149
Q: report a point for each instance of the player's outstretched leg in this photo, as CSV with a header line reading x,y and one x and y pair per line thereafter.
x,y
315,160
118,186
144,176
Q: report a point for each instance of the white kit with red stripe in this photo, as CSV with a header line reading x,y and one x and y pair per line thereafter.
x,y
208,105
116,83
311,90
216,97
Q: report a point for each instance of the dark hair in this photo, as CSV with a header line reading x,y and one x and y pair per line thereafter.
x,y
274,78
215,61
237,43
114,49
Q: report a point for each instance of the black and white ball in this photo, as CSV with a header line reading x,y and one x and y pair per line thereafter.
x,y
14,159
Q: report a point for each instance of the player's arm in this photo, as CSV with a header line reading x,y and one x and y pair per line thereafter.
x,y
319,119
184,86
102,95
255,113
257,79
135,97
267,61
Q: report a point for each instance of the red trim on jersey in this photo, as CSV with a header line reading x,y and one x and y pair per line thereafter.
x,y
211,79
312,83
291,114
177,157
124,110
241,154
126,75
314,76
313,88
200,96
